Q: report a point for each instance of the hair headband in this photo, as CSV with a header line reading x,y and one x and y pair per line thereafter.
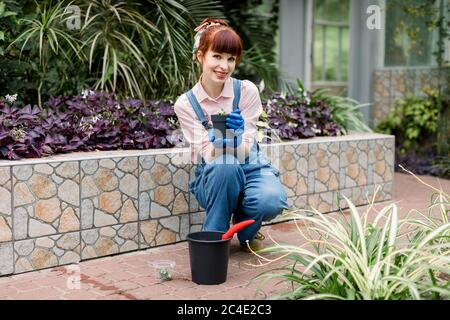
x,y
200,29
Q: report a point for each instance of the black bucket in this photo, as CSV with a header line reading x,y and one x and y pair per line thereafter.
x,y
208,255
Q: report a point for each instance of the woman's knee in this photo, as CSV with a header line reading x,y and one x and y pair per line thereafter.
x,y
272,203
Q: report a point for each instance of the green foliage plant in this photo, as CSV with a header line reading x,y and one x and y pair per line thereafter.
x,y
357,258
47,35
412,120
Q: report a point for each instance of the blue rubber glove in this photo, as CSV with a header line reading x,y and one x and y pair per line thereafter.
x,y
235,120
227,143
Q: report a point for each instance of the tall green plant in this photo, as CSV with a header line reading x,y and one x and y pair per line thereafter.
x,y
114,35
437,19
141,49
413,120
258,32
47,37
359,259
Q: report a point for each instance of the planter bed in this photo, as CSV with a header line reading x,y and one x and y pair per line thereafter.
x,y
68,208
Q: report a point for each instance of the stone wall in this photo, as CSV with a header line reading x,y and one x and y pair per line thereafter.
x,y
68,208
391,84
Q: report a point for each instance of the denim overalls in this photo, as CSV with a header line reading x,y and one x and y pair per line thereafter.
x,y
250,190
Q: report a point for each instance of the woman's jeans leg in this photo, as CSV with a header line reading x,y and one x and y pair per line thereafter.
x,y
217,190
223,187
263,199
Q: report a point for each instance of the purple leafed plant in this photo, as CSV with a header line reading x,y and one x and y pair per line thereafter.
x,y
100,121
97,121
299,117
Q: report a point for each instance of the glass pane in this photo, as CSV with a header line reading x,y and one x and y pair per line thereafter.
x,y
318,35
400,48
332,53
319,9
345,53
332,10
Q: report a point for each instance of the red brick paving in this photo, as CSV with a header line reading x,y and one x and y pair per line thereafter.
x,y
130,276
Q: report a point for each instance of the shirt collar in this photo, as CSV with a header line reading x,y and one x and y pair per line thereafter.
x,y
227,91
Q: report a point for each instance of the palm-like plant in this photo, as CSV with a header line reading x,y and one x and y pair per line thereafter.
x,y
114,34
47,35
174,71
345,111
257,31
139,49
360,260
144,48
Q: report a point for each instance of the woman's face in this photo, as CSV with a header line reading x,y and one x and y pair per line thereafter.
x,y
216,67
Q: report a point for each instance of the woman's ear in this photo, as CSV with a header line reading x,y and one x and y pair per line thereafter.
x,y
200,56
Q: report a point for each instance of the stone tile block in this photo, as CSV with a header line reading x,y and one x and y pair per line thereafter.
x,y
46,252
109,192
46,199
6,258
156,232
293,167
163,186
194,206
353,164
381,161
109,240
323,167
324,202
6,233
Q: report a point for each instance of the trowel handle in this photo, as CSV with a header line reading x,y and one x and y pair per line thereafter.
x,y
237,227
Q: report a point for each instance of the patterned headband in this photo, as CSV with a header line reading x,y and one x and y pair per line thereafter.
x,y
200,29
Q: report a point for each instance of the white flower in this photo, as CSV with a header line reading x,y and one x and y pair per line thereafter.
x,y
11,98
117,106
308,100
85,93
261,86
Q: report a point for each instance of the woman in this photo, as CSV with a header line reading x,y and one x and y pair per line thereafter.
x,y
232,175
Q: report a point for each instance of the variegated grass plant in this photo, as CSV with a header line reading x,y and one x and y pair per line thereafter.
x,y
355,258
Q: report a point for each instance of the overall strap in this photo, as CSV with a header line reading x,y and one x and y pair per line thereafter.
x,y
237,93
198,110
201,116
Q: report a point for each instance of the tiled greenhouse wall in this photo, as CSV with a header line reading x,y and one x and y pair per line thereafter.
x,y
391,84
70,209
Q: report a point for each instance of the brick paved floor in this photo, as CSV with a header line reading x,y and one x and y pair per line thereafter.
x,y
131,276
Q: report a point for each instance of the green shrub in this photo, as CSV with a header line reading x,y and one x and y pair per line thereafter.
x,y
387,259
134,49
412,120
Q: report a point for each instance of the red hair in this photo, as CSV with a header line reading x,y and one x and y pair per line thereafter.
x,y
220,38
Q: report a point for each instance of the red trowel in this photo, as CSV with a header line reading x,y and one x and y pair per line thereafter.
x,y
237,227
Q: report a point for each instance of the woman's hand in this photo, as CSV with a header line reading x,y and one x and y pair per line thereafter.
x,y
235,120
228,143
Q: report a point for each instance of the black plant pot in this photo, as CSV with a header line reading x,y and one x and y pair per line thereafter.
x,y
219,123
208,255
